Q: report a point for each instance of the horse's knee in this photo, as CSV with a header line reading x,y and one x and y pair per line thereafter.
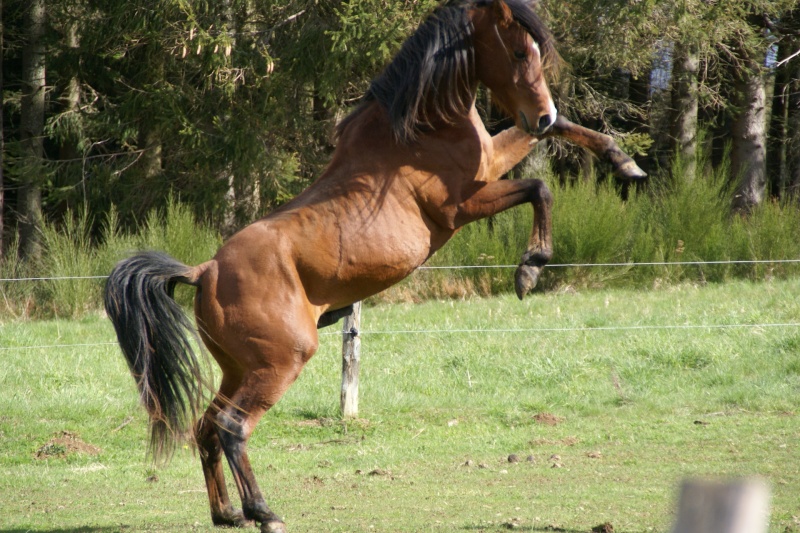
x,y
537,257
541,193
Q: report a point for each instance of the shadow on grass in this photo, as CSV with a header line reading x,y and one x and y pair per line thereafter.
x,y
99,529
522,528
87,529
123,529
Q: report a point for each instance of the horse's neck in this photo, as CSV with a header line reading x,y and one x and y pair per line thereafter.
x,y
464,131
367,147
435,115
372,126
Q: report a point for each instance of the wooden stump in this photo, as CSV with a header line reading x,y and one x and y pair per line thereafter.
x,y
736,506
351,361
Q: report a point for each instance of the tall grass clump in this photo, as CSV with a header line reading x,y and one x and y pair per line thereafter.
x,y
591,225
75,261
70,256
771,231
16,298
177,232
682,220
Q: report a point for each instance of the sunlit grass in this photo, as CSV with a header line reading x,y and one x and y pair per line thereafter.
x,y
657,405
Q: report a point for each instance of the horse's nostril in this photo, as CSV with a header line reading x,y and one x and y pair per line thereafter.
x,y
545,121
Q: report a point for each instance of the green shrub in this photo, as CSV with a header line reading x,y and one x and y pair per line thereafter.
x,y
675,221
16,297
79,262
69,255
684,221
591,225
770,231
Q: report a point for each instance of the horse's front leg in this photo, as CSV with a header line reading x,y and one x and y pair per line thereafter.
x,y
486,199
509,147
512,145
600,145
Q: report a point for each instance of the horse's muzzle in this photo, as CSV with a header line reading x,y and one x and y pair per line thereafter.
x,y
545,123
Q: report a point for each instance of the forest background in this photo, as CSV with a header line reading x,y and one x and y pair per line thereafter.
x,y
117,115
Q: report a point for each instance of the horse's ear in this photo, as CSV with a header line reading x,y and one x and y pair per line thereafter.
x,y
502,13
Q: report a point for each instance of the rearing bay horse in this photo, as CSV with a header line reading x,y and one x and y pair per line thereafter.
x,y
413,164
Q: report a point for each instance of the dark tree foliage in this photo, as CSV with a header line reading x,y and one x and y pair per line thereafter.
x,y
230,105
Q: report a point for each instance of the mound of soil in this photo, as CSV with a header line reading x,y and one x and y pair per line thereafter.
x,y
548,419
65,443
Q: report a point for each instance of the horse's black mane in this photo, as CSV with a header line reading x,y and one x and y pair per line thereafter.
x,y
433,73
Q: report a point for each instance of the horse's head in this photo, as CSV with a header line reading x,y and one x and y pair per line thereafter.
x,y
511,50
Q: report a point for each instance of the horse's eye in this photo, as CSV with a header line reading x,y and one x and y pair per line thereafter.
x,y
519,54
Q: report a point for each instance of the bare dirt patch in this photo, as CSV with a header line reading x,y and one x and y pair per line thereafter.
x,y
63,444
329,422
548,419
316,422
313,481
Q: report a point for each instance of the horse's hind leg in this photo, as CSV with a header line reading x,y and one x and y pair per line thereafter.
x,y
222,512
260,388
235,424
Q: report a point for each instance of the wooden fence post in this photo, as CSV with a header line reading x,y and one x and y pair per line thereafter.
x,y
738,506
351,361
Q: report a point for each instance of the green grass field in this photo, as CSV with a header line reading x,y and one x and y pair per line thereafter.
x,y
615,395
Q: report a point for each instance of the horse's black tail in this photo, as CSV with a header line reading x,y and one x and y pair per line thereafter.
x,y
156,339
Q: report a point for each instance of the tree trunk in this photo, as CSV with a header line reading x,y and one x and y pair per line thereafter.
x,y
778,130
243,198
150,164
683,120
31,130
793,135
231,222
69,153
793,124
150,168
2,140
749,133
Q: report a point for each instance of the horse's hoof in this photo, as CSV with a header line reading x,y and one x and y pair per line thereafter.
x,y
273,526
525,279
233,518
631,171
624,166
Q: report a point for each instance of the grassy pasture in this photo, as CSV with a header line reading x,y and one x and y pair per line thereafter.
x,y
613,418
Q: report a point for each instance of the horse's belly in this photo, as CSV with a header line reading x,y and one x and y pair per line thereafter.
x,y
351,247
367,258
382,258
